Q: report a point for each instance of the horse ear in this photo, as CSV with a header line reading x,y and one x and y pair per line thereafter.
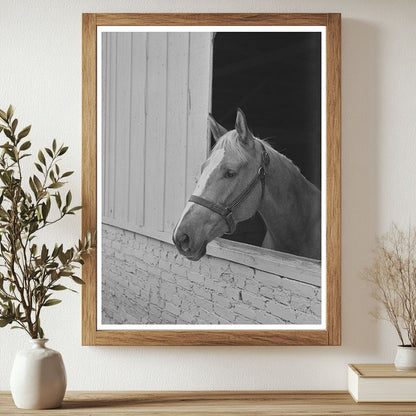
x,y
216,129
242,128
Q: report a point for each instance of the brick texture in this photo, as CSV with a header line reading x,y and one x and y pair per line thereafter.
x,y
146,281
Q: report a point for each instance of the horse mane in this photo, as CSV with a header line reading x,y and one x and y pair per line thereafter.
x,y
272,151
230,142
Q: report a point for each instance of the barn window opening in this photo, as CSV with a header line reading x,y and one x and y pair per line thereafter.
x,y
275,78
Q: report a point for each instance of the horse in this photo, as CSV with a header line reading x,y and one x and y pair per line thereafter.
x,y
244,174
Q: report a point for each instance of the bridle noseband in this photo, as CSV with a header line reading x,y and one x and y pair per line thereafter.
x,y
226,212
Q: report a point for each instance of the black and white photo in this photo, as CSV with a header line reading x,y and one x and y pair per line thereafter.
x,y
211,178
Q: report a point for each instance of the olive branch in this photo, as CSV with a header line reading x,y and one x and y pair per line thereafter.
x,y
31,274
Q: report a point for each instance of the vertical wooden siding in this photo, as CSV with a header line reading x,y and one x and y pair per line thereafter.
x,y
155,100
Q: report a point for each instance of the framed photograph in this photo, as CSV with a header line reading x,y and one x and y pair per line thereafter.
x,y
211,172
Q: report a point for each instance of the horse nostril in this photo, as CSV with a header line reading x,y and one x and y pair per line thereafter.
x,y
183,241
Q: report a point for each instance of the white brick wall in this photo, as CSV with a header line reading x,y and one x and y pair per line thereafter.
x,y
146,281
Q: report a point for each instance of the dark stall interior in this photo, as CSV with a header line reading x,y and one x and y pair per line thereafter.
x,y
275,78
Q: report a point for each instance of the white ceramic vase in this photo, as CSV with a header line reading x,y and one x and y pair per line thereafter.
x,y
405,358
38,378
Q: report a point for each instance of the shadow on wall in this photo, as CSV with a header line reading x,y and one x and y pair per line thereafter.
x,y
360,186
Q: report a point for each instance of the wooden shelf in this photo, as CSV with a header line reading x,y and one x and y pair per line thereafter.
x,y
266,403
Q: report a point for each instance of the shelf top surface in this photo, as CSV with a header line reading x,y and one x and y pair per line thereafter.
x,y
213,403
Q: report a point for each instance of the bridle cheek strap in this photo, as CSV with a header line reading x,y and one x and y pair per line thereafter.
x,y
226,212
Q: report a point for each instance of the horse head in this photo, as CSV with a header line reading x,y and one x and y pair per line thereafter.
x,y
228,191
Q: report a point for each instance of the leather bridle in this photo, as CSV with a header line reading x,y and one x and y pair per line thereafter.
x,y
226,212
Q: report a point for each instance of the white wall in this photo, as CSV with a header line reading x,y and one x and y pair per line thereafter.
x,y
40,73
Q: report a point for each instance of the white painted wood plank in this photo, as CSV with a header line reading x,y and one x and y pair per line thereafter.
x,y
137,129
104,111
176,130
155,130
198,105
122,150
112,124
286,265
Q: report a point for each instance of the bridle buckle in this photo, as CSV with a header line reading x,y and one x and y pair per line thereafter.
x,y
229,219
265,157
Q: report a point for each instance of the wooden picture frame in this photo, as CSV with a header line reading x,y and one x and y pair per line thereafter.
x,y
331,335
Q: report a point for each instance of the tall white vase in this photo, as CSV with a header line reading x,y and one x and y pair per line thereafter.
x,y
38,378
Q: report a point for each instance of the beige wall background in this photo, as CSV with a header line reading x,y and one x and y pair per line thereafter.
x,y
40,73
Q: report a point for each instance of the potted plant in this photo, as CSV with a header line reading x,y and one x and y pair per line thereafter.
x,y
31,273
393,277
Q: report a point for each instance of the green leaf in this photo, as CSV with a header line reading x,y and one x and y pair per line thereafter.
x,y
55,251
5,321
54,145
54,275
63,150
3,115
77,208
67,174
49,151
24,132
37,183
56,185
33,227
39,167
66,273
25,145
10,112
45,211
44,253
76,279
4,297
40,332
41,157
58,199
68,198
59,287
33,187
8,133
14,125
51,302
61,256
34,249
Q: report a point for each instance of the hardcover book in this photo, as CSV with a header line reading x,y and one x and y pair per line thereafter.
x,y
381,383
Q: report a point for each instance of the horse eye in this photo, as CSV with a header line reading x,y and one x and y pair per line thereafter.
x,y
229,174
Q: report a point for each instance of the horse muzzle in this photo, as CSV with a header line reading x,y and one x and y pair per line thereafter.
x,y
183,243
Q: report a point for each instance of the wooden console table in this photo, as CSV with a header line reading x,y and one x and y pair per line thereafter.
x,y
212,403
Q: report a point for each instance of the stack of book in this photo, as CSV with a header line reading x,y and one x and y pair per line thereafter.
x,y
381,383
